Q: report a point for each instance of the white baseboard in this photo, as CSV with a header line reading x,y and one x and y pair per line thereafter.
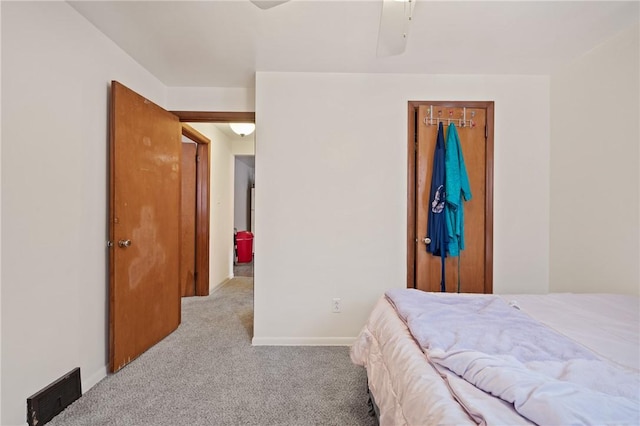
x,y
303,341
219,285
94,378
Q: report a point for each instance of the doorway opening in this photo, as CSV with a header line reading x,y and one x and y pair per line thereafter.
x,y
244,215
222,246
144,220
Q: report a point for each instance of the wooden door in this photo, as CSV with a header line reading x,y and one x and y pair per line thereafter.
x,y
188,221
471,272
198,173
144,225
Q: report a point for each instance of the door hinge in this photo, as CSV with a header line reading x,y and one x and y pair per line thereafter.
x,y
486,132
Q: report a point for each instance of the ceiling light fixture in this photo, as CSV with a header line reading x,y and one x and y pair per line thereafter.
x,y
242,129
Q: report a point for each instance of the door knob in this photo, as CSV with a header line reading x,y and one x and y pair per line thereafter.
x,y
426,240
124,243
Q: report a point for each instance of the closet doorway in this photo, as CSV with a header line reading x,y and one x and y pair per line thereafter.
x,y
472,271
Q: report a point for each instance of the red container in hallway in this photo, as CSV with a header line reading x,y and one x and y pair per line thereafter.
x,y
244,243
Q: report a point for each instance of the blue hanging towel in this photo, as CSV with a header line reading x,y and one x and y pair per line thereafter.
x,y
457,189
436,217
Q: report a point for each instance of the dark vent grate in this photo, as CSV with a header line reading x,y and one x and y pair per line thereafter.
x,y
44,405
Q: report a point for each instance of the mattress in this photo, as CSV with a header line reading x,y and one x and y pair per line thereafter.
x,y
411,390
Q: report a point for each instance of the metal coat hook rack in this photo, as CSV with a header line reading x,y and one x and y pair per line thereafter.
x,y
462,121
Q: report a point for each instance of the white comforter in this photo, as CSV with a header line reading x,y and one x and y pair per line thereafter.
x,y
410,389
548,378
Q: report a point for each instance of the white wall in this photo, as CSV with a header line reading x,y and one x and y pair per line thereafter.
x,y
221,205
331,160
244,146
210,99
56,69
595,170
243,178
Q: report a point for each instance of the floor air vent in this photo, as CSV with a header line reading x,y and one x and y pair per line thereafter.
x,y
50,401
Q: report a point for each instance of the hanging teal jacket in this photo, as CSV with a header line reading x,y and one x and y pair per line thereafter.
x,y
456,188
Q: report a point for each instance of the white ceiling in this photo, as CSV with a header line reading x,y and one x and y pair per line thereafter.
x,y
223,43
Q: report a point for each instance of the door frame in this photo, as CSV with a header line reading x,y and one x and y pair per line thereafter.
x,y
216,116
412,143
202,208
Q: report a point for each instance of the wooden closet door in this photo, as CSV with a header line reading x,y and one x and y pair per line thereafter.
x,y
471,268
188,221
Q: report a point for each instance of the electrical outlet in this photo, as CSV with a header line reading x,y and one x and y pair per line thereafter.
x,y
337,306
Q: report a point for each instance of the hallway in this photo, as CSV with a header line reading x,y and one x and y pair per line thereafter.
x,y
243,269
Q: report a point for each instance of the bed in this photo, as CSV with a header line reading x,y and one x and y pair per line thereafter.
x,y
438,358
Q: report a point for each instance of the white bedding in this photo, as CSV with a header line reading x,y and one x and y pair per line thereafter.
x,y
410,390
608,324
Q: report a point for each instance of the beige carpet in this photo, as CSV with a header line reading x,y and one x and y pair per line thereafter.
x,y
207,373
243,269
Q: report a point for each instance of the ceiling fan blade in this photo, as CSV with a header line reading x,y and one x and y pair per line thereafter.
x,y
394,27
268,4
